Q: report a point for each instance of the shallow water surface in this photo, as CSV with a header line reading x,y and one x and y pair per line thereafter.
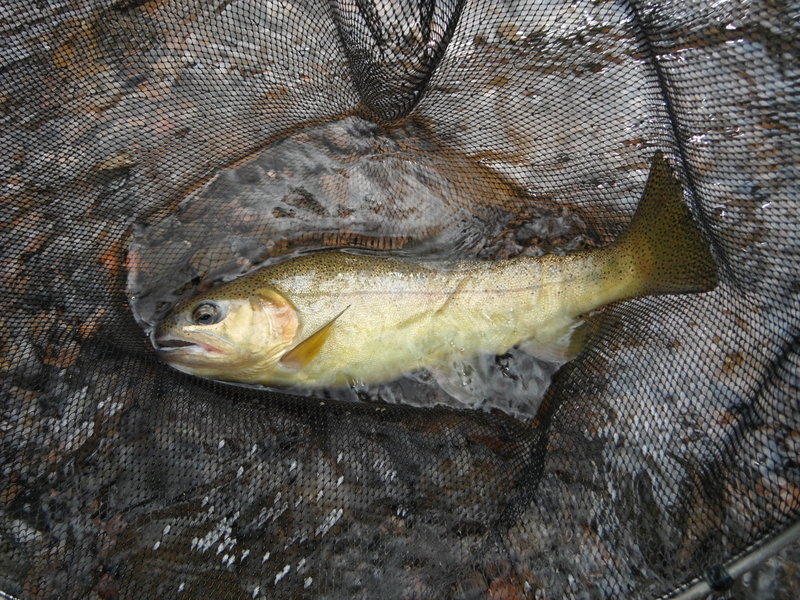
x,y
351,184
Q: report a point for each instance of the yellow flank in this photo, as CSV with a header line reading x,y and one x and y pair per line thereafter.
x,y
335,318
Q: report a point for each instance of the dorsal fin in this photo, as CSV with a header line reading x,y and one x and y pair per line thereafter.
x,y
307,350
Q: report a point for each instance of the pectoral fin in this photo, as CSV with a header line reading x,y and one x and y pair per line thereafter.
x,y
307,350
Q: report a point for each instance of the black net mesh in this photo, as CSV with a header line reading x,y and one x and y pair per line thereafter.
x,y
149,149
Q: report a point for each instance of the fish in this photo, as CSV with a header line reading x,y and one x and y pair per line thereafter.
x,y
335,318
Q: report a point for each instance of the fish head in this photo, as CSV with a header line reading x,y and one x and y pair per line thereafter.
x,y
227,337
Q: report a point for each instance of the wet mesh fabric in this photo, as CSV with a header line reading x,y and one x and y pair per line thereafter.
x,y
150,148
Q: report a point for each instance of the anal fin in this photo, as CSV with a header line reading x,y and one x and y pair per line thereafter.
x,y
559,349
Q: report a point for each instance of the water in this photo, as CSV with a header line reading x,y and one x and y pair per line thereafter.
x,y
350,184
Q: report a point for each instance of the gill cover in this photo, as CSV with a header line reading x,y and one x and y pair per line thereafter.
x,y
281,315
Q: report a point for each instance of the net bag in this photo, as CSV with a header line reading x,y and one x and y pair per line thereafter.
x,y
150,149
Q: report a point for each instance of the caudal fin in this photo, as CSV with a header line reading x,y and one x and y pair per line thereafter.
x,y
672,254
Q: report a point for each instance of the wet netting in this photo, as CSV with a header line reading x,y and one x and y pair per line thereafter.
x,y
152,149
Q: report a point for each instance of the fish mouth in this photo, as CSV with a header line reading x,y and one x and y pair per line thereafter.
x,y
171,344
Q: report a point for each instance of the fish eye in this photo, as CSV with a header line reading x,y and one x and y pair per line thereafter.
x,y
207,313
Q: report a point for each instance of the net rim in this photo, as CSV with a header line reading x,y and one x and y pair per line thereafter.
x,y
738,566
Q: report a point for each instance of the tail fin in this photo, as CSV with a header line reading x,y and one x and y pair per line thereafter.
x,y
674,257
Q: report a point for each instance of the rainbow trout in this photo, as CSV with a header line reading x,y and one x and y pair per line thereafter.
x,y
335,318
